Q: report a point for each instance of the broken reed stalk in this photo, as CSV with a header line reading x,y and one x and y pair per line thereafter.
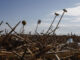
x,y
1,23
23,23
22,57
56,14
64,10
30,51
18,55
11,27
36,29
14,28
57,57
1,31
8,35
26,41
39,21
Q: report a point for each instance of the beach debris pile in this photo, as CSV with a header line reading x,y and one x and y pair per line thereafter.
x,y
44,46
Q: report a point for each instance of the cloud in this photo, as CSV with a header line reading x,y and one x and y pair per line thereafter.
x,y
76,20
74,11
77,4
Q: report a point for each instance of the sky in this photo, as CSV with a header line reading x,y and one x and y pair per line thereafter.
x,y
13,11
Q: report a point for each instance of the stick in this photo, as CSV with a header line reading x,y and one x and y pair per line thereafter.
x,y
52,22
11,27
1,23
58,22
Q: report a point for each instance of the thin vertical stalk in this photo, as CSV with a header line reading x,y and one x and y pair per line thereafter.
x,y
51,24
58,22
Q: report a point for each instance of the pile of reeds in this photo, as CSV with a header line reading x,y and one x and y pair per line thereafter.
x,y
45,46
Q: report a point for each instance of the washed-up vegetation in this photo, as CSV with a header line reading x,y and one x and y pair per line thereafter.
x,y
39,46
